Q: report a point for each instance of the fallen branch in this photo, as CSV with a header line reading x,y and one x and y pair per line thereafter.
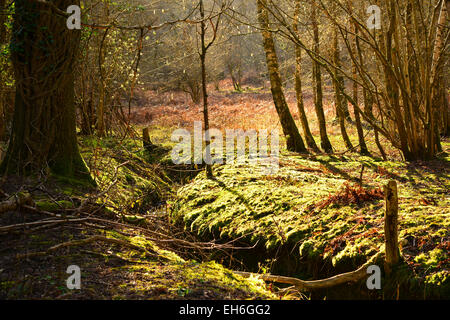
x,y
19,200
38,223
352,276
84,242
162,238
51,214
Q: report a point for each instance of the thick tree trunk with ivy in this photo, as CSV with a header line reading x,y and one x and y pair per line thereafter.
x,y
294,140
44,53
2,42
317,82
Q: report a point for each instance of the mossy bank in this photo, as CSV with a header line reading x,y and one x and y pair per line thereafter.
x,y
313,218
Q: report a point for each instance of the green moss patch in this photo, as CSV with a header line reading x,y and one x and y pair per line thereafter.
x,y
316,209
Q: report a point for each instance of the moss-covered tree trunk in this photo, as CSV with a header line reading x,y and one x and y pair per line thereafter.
x,y
2,41
44,53
294,140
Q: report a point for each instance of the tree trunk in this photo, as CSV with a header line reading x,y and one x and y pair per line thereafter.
x,y
146,141
44,132
338,81
2,41
317,81
440,99
100,112
392,88
391,225
293,139
362,143
298,86
2,118
209,172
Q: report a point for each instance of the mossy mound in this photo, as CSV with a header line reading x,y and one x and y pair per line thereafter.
x,y
317,211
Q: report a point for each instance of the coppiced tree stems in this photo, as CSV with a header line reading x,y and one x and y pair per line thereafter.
x,y
298,86
317,83
338,82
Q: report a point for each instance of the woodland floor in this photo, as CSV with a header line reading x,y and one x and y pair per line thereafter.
x,y
163,226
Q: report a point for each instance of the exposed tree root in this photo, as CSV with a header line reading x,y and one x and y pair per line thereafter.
x,y
353,276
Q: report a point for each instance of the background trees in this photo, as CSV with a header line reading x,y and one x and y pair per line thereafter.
x,y
401,79
393,77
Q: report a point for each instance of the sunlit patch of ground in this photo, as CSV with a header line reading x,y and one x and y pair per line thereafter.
x,y
251,109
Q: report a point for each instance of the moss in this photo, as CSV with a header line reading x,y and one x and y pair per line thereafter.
x,y
51,206
191,280
432,258
282,210
310,250
353,255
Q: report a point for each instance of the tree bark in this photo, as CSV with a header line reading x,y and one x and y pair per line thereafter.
x,y
146,141
392,88
44,133
204,49
440,99
298,86
2,41
293,139
362,143
391,225
317,81
338,81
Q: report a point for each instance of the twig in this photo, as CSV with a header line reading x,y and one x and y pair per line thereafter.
x,y
84,242
101,194
38,223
